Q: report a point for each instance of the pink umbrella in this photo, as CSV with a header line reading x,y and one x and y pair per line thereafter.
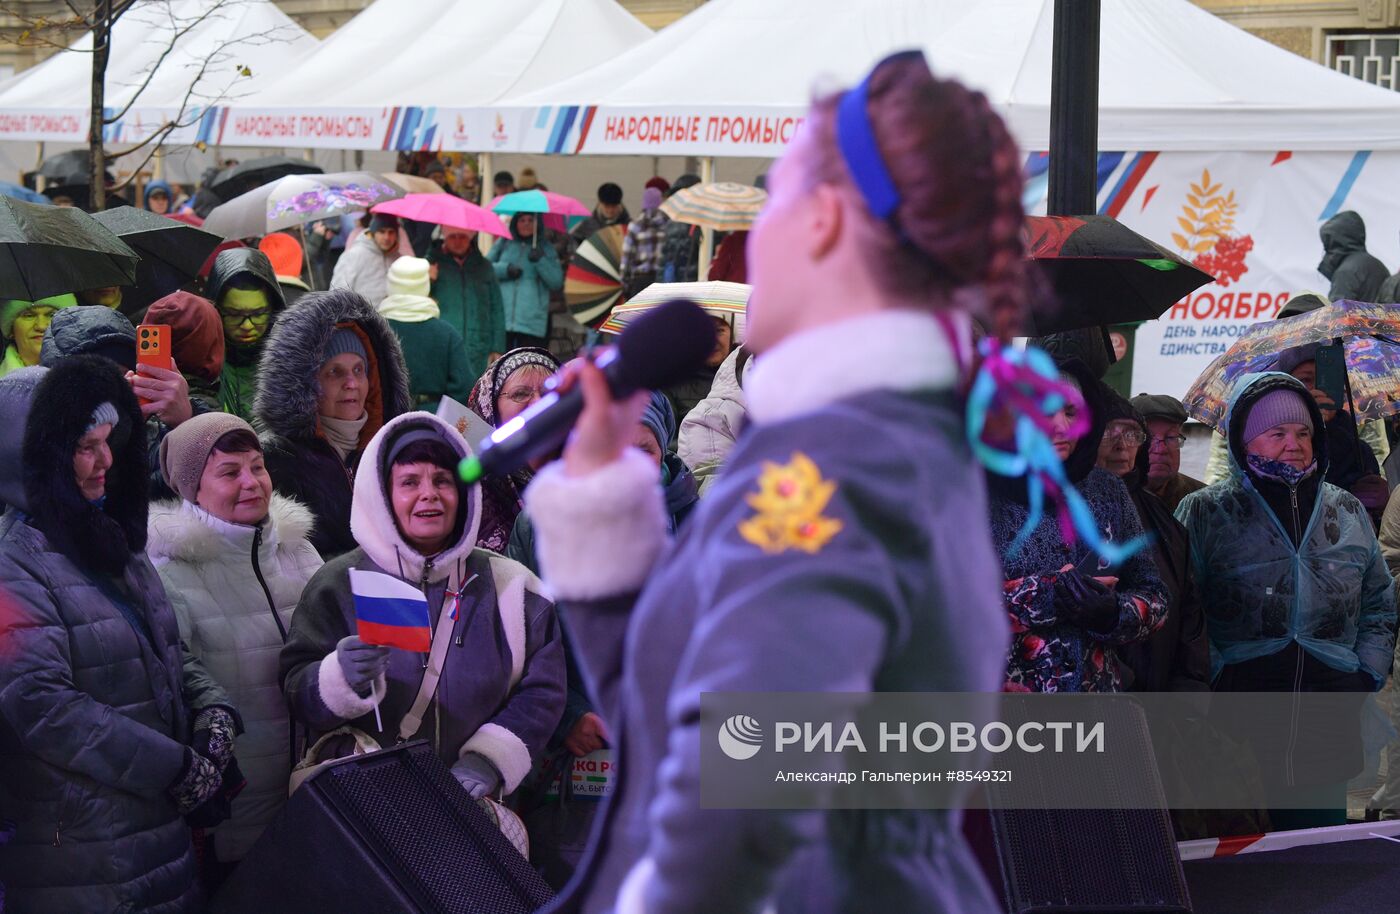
x,y
445,210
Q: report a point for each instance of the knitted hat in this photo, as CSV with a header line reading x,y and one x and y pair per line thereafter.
x,y
503,177
344,340
659,183
383,221
609,194
1277,407
660,418
103,414
12,308
651,198
186,448
284,252
528,179
1160,406
409,276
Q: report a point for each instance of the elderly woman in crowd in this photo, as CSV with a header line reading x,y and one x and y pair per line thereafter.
x,y
110,732
234,558
498,689
1296,594
509,387
1069,617
331,375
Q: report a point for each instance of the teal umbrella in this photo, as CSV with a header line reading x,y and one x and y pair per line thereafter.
x,y
543,202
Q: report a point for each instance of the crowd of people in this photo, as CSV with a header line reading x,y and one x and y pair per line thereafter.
x,y
179,548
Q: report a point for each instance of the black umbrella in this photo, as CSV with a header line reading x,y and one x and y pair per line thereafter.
x,y
49,250
254,173
72,167
171,252
1104,273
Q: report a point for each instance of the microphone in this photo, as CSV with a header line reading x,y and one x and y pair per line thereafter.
x,y
662,347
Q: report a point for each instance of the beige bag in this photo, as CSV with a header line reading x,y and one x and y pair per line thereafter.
x,y
312,762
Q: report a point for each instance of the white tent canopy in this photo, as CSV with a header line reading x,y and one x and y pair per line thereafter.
x,y
453,53
170,60
1172,77
424,75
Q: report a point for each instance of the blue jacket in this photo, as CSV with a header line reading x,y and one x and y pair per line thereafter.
x,y
526,298
1331,593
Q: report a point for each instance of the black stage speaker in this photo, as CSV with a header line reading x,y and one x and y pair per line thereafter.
x,y
391,831
1076,861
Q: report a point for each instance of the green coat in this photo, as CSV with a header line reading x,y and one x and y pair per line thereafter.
x,y
527,298
237,385
436,360
469,297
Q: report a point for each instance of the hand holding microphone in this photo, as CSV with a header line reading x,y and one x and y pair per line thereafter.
x,y
601,401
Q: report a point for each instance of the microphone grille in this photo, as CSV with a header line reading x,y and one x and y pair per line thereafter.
x,y
666,345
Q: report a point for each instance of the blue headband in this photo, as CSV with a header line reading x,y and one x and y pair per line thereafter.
x,y
856,137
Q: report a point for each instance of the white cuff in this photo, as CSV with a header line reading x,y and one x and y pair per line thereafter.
x,y
504,749
631,897
598,535
337,695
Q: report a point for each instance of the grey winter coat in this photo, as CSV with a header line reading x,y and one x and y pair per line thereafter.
x,y
94,714
886,587
502,686
709,430
215,573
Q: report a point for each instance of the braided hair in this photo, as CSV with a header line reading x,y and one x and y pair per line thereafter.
x,y
955,238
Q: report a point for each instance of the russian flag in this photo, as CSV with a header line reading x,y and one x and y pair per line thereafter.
x,y
390,612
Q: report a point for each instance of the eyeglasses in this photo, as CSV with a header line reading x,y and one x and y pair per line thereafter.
x,y
522,395
1170,442
239,318
1128,436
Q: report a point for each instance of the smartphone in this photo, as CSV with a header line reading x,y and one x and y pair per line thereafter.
x,y
1332,373
153,348
1094,566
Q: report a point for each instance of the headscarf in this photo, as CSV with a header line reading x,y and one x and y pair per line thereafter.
x,y
501,495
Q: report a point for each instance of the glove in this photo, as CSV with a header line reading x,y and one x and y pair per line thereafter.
x,y
214,730
198,782
1080,600
536,254
361,663
477,775
219,807
514,272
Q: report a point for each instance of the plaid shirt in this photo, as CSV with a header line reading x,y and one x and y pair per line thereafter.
x,y
644,243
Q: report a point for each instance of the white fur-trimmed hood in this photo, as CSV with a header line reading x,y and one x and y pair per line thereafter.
x,y
372,519
181,532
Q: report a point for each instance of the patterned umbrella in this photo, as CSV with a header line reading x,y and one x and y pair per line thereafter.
x,y
593,283
412,184
1370,334
724,207
729,300
298,199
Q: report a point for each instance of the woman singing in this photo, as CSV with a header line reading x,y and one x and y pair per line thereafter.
x,y
845,546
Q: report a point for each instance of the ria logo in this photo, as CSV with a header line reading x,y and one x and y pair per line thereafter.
x,y
741,737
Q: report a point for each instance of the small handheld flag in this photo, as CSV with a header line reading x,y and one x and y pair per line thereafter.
x,y
390,612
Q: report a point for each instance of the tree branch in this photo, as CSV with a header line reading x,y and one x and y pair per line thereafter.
x,y
181,32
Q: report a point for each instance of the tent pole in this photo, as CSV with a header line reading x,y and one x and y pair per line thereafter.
x,y
40,182
484,173
309,155
707,236
158,165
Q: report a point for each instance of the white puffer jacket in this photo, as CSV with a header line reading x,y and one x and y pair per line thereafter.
x,y
211,574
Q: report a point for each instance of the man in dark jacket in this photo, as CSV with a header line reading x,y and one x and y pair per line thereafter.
x,y
609,211
1355,274
1349,458
1165,416
244,288
1176,657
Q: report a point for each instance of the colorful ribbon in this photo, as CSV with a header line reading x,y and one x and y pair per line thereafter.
x,y
1026,384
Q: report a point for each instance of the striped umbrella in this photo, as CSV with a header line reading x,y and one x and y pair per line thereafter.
x,y
724,207
728,300
593,283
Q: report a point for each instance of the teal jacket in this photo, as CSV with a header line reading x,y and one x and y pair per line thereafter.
x,y
469,297
1331,593
527,297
